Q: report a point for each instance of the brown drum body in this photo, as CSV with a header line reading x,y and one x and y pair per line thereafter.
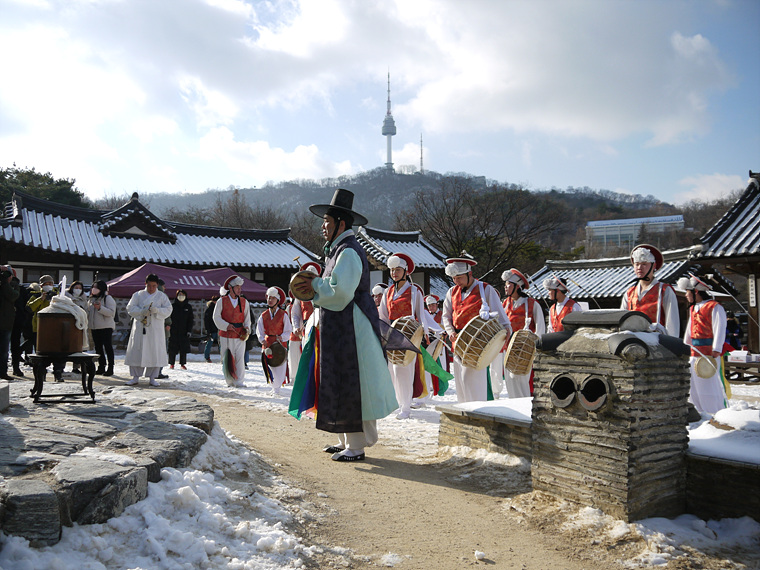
x,y
57,333
436,348
479,342
412,330
279,354
521,352
297,279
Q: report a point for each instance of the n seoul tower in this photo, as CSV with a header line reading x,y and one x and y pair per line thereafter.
x,y
389,127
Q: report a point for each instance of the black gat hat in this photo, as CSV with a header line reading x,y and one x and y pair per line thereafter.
x,y
342,202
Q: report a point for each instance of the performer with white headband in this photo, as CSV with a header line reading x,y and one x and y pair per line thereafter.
x,y
655,299
523,312
273,327
233,319
468,298
403,299
300,311
377,294
563,304
706,334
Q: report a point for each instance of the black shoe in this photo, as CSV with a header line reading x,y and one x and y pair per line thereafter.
x,y
108,372
99,371
359,457
58,378
5,377
162,376
17,372
333,449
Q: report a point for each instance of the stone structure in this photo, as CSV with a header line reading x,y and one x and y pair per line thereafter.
x,y
86,463
610,414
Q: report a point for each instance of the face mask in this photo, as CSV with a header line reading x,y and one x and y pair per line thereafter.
x,y
77,292
180,298
94,291
47,288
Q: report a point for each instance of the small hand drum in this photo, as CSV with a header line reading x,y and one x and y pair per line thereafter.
x,y
412,330
521,352
298,279
705,366
479,342
279,354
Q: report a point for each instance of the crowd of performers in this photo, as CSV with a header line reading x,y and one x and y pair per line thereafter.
x,y
356,353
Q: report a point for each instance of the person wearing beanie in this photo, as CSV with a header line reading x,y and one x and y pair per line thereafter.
x,y
180,329
41,300
354,388
523,312
9,292
273,327
146,349
469,298
101,310
403,299
705,334
655,299
232,317
563,304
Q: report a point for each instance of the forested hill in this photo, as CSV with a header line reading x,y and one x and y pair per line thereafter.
x,y
382,196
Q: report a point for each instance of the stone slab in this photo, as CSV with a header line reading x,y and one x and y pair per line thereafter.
x,y
30,510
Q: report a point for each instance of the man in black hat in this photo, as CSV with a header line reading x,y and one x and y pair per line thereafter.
x,y
355,386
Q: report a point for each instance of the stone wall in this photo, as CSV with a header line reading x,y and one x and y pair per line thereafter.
x,y
484,431
719,488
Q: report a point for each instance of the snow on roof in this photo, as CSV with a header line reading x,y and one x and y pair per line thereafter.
x,y
381,244
133,234
737,233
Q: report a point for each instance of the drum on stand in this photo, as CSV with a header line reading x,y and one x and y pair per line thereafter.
x,y
521,352
479,342
412,330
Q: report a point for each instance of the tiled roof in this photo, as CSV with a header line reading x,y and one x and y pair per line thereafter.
x,y
381,244
737,233
132,234
439,284
611,277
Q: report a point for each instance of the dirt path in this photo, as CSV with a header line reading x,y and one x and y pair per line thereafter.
x,y
395,510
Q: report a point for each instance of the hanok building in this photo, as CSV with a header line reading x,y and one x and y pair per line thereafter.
x,y
602,282
430,264
733,245
38,237
612,236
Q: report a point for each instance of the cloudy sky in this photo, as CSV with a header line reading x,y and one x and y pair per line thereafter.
x,y
648,97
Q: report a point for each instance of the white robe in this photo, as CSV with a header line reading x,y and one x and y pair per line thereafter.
x,y
147,342
518,385
708,394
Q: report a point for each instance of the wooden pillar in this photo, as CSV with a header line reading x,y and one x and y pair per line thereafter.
x,y
753,292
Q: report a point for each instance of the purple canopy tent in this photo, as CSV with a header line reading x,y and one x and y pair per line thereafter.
x,y
199,283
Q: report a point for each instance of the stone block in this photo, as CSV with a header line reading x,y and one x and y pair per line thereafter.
x,y
31,510
5,395
92,490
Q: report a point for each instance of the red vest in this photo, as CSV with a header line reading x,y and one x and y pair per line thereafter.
x,y
517,315
701,327
232,315
273,326
555,319
400,306
437,316
648,303
463,310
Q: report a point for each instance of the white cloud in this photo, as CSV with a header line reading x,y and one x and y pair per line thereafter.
x,y
708,187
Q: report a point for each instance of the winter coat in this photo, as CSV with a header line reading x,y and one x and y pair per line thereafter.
x,y
37,302
9,292
102,318
181,326
208,318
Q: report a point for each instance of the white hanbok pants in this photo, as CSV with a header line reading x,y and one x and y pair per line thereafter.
x,y
518,385
471,383
403,383
497,374
237,348
707,394
294,357
358,440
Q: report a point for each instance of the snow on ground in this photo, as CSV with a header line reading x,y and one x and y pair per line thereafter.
x,y
192,520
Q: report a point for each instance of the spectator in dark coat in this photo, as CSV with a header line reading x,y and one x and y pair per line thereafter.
x,y
180,330
22,319
8,295
212,332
